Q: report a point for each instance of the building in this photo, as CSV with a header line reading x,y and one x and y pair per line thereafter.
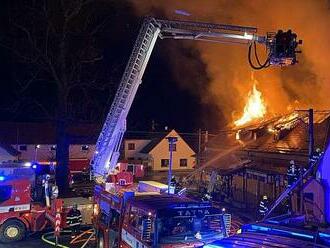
x,y
253,161
37,142
8,153
152,149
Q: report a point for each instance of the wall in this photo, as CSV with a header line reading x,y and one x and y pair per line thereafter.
x,y
44,153
139,144
183,151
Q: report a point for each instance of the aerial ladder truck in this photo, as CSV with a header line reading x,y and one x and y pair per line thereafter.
x,y
116,205
281,51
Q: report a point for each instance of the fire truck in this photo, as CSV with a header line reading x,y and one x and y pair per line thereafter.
x,y
127,217
22,211
141,215
124,214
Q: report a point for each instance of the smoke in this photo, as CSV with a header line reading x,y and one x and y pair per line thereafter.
x,y
228,73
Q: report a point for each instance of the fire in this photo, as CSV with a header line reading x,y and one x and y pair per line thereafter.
x,y
255,107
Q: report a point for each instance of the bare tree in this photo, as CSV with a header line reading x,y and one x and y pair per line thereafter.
x,y
56,43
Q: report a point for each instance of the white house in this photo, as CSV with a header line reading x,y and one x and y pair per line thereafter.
x,y
37,141
154,151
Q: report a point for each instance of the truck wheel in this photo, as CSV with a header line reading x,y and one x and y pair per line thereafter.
x,y
12,230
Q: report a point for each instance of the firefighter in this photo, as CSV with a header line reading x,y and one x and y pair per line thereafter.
x,y
317,154
173,184
74,220
263,206
292,176
292,173
173,181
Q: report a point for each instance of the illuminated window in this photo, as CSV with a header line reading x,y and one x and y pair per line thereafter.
x,y
164,162
131,146
183,162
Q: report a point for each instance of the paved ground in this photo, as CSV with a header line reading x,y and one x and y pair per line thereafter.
x,y
35,241
31,242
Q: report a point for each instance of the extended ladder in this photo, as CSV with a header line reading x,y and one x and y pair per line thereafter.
x,y
286,193
108,143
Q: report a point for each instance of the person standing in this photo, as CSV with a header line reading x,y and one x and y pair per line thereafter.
x,y
292,173
74,220
263,207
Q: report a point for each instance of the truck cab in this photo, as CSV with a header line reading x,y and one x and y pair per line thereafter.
x,y
18,215
128,218
170,221
22,211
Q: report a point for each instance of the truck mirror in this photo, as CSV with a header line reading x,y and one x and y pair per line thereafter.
x,y
146,229
54,192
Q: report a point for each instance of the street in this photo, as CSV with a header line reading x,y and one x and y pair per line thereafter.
x,y
35,240
29,242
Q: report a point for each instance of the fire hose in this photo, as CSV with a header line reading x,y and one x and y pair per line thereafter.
x,y
74,241
43,238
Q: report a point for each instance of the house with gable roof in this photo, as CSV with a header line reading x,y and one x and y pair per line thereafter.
x,y
153,151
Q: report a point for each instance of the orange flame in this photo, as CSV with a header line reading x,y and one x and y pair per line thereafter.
x,y
255,107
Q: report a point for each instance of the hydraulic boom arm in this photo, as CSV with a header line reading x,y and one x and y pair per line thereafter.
x,y
281,48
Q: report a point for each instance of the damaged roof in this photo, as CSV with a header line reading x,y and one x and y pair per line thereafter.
x,y
277,139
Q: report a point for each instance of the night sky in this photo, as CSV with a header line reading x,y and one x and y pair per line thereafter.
x,y
160,98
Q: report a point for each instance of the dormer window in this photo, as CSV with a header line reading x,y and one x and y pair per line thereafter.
x,y
84,147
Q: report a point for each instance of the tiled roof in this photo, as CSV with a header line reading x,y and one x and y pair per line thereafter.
x,y
278,137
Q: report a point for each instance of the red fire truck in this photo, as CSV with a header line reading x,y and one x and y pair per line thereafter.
x,y
143,216
20,212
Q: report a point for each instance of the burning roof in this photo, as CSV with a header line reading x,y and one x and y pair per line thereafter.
x,y
277,139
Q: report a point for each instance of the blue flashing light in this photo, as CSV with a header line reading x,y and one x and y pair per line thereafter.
x,y
34,166
260,228
324,235
301,235
2,178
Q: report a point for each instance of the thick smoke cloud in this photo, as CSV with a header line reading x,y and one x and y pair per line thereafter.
x,y
229,75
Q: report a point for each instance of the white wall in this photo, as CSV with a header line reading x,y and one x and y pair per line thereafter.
x,y
183,151
139,145
44,153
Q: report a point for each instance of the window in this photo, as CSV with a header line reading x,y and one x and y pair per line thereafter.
x,y
5,193
23,147
84,147
142,223
183,162
164,162
131,146
135,220
173,147
130,168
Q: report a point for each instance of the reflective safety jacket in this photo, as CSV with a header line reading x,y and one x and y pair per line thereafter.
x,y
263,207
73,218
